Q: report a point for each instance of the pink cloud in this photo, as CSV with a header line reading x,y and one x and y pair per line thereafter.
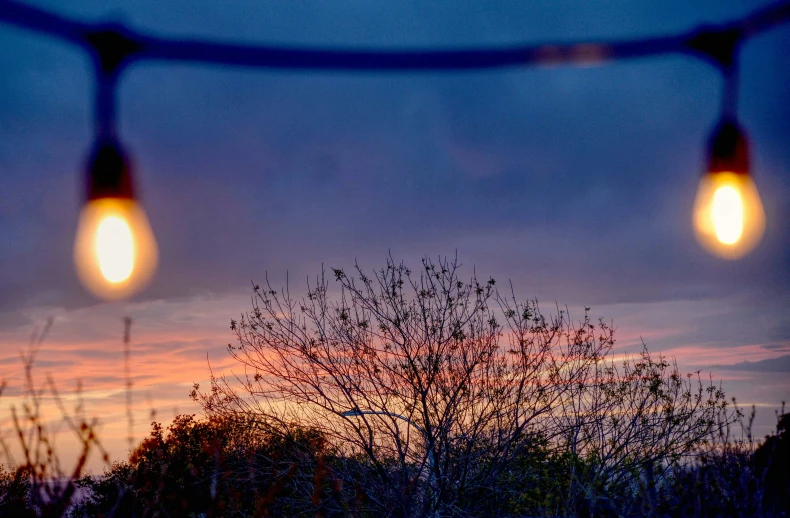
x,y
173,339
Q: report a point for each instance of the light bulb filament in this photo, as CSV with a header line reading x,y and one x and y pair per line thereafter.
x,y
727,215
115,249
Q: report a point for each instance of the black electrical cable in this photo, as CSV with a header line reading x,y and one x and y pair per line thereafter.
x,y
116,45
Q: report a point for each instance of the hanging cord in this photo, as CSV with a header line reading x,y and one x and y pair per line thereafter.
x,y
111,51
729,106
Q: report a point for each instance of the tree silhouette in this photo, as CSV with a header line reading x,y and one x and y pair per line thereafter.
x,y
485,380
772,462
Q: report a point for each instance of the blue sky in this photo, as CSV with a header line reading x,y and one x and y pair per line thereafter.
x,y
575,183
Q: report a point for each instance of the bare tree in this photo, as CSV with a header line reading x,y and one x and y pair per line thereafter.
x,y
633,420
441,384
41,485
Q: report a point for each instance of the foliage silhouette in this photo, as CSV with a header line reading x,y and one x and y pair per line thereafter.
x,y
486,407
486,379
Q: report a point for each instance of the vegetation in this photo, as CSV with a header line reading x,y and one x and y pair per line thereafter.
x,y
405,393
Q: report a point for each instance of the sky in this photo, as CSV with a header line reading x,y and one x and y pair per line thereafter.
x,y
574,183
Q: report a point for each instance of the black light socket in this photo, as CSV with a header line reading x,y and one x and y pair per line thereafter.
x,y
109,172
728,149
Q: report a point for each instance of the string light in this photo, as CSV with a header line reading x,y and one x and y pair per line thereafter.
x,y
115,252
728,216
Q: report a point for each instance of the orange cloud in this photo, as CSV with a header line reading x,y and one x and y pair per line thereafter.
x,y
172,340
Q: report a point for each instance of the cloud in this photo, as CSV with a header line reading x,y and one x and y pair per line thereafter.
x,y
781,347
778,364
173,339
172,343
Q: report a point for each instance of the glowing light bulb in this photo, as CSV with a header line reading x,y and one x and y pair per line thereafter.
x,y
729,219
115,250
